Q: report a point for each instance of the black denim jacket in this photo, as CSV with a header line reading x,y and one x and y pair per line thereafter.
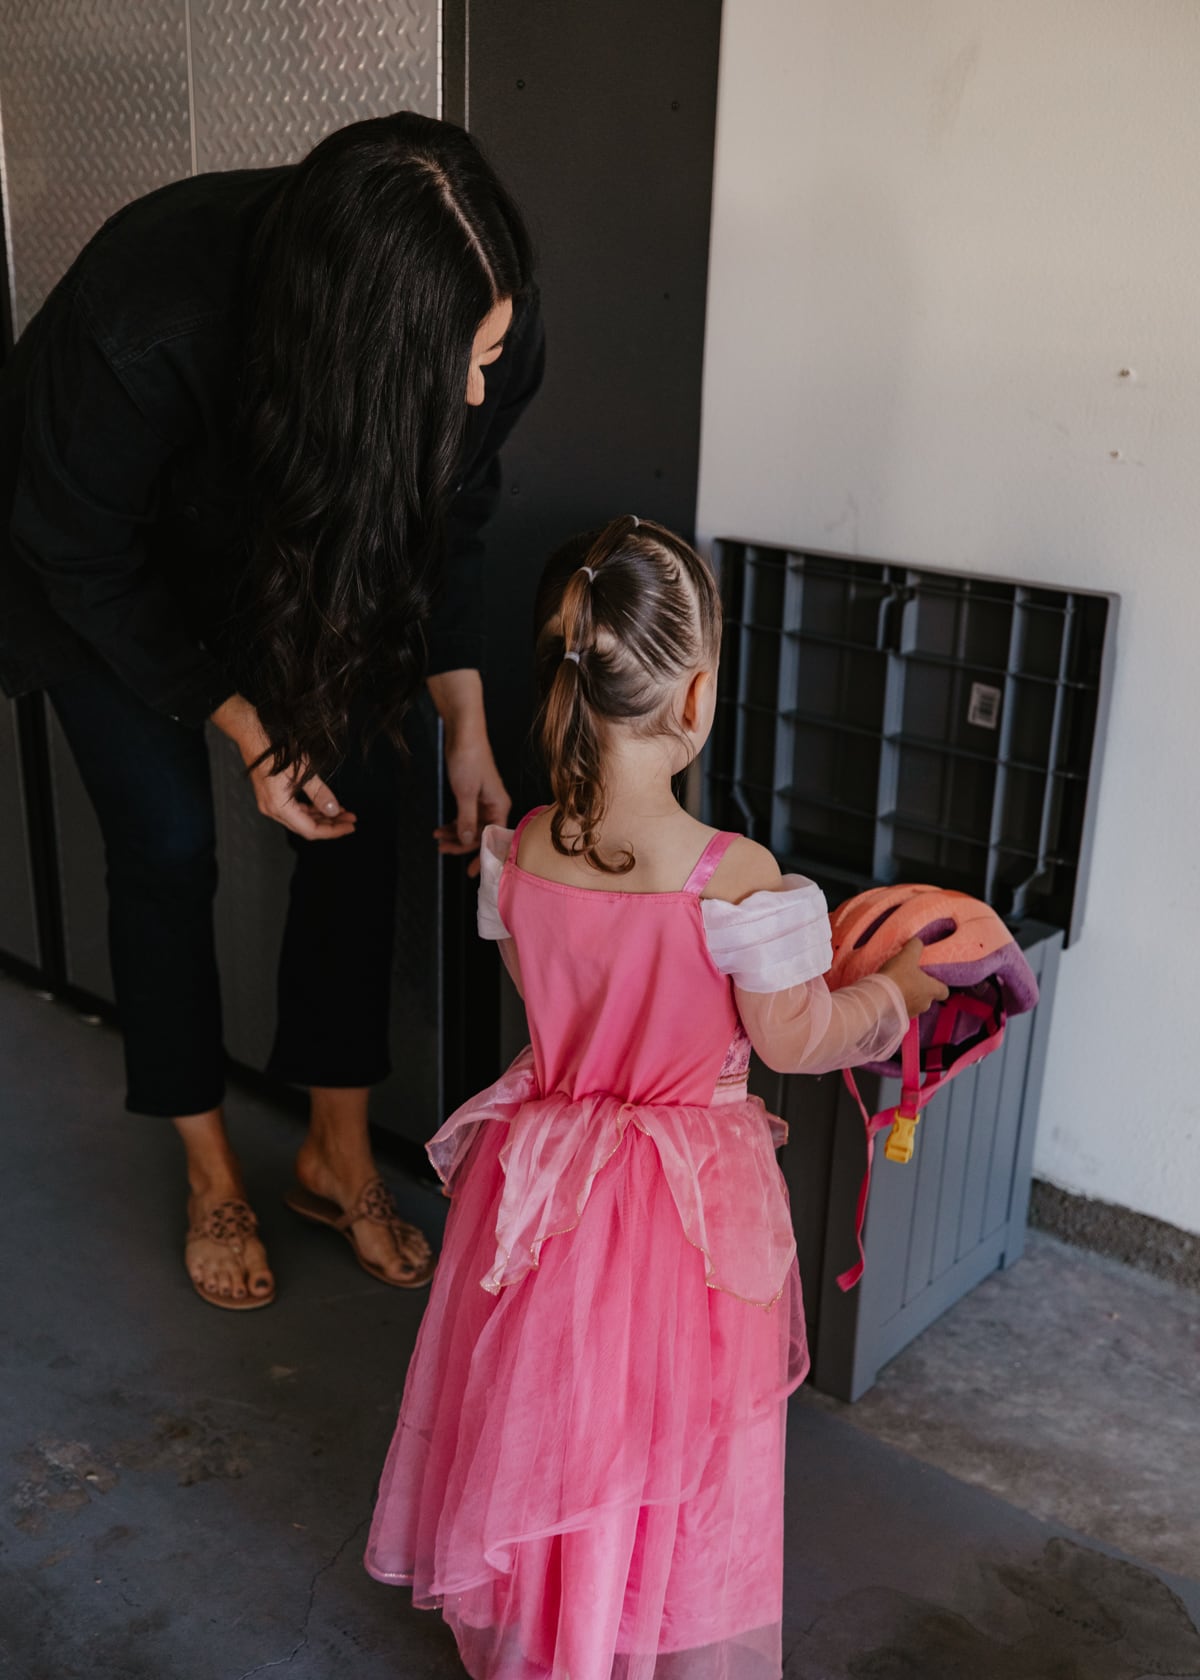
x,y
120,524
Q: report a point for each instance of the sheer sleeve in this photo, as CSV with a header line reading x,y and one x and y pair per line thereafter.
x,y
775,946
809,1029
493,854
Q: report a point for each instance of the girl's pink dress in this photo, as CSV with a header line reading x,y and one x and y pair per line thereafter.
x,y
587,1474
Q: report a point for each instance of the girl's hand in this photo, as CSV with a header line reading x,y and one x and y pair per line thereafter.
x,y
298,800
920,989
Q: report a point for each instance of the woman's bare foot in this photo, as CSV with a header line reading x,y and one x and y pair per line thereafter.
x,y
224,1257
335,1162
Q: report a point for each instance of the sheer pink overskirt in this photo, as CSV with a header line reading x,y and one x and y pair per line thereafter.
x,y
718,1160
587,1474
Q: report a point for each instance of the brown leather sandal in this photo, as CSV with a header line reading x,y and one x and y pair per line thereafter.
x,y
374,1203
229,1224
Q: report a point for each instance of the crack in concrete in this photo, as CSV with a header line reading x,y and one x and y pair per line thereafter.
x,y
330,1562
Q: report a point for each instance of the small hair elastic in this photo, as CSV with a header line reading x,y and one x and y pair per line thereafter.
x,y
591,574
636,520
573,654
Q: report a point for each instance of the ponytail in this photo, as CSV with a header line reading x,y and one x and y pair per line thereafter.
x,y
622,617
570,735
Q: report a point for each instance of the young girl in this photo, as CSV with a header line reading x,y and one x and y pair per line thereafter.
x,y
587,1474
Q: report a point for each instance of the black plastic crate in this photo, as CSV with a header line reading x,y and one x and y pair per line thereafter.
x,y
958,714
883,723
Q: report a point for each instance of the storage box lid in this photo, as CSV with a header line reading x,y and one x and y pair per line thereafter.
x,y
879,723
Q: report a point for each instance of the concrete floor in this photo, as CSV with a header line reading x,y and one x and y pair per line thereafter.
x,y
1069,1386
186,1491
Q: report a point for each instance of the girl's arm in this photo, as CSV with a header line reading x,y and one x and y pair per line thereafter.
x,y
493,851
806,1028
770,934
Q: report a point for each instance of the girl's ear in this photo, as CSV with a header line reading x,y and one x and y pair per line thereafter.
x,y
696,699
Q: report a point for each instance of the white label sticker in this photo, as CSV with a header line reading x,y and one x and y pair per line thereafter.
x,y
984,710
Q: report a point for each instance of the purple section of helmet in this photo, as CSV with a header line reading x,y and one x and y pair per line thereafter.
x,y
1004,981
1007,967
937,931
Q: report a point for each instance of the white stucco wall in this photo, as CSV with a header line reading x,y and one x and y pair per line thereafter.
x,y
941,230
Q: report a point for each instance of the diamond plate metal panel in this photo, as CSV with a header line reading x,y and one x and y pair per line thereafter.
x,y
95,101
272,77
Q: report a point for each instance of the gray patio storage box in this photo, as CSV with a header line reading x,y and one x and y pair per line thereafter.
x,y
877,724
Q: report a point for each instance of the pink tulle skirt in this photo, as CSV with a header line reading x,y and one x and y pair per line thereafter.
x,y
587,1474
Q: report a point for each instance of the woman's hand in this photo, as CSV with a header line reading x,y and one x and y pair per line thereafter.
x,y
299,801
479,794
920,989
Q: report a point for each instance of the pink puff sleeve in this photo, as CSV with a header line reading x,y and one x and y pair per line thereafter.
x,y
775,947
493,854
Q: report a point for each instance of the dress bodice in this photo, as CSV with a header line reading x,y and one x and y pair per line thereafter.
x,y
621,993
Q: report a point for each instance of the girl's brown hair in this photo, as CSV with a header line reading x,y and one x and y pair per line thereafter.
x,y
622,616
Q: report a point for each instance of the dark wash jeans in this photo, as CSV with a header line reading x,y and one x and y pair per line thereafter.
x,y
149,781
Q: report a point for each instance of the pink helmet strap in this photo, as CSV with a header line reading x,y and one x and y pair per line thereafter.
x,y
943,1033
915,1092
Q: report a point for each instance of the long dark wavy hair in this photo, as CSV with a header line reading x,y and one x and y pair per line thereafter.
x,y
622,616
370,275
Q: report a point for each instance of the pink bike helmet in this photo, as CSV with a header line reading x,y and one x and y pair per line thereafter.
x,y
969,949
